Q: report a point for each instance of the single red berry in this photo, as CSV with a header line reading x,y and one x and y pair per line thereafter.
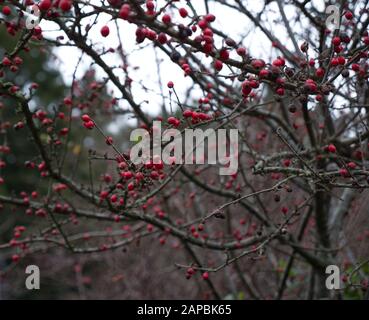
x,y
205,275
65,5
334,62
258,63
109,141
105,31
150,5
264,73
183,12
210,17
224,54
287,162
170,84
67,101
166,19
202,24
64,131
18,60
190,271
162,38
6,61
187,113
89,124
280,62
6,10
355,67
124,11
280,91
336,41
218,65
344,172
45,5
332,148
86,118
348,15
37,31
351,165
320,72
241,51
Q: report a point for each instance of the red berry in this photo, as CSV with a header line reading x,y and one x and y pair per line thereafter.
x,y
37,31
241,51
355,67
341,60
351,165
6,61
65,5
174,121
124,11
335,62
86,118
166,19
205,275
210,17
187,113
336,41
162,38
183,12
344,172
114,198
320,72
264,73
67,101
280,62
280,91
18,60
331,148
45,5
349,15
258,63
105,31
287,162
170,84
218,65
224,54
89,124
6,10
150,5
